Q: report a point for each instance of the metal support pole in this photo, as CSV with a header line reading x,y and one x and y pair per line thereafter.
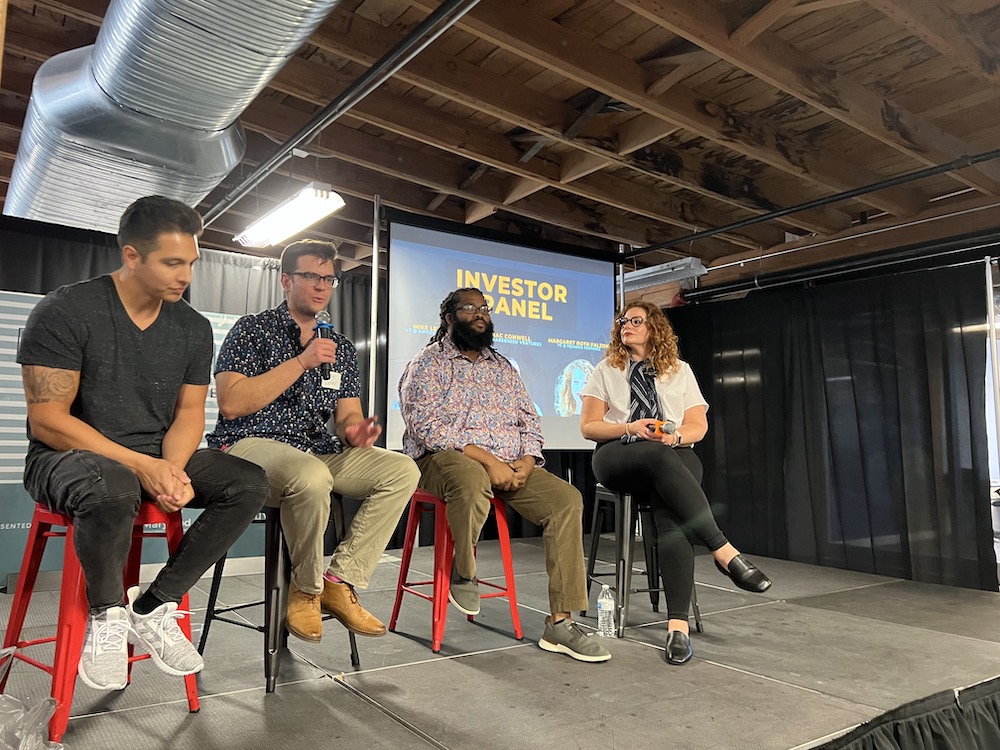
x,y
621,277
991,328
373,333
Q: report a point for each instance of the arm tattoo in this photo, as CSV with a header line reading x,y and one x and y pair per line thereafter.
x,y
45,384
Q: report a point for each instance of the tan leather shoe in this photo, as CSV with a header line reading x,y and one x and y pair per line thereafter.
x,y
340,601
304,618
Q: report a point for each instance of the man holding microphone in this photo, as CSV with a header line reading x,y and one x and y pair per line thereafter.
x,y
280,408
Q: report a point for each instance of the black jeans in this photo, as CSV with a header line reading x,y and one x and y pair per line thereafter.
x,y
670,478
102,497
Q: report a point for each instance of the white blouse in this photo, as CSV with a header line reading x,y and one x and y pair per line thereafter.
x,y
677,392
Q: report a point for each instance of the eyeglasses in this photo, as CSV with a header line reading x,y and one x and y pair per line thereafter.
x,y
636,321
470,309
315,278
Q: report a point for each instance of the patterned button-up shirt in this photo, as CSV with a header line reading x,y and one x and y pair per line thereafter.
x,y
299,416
449,402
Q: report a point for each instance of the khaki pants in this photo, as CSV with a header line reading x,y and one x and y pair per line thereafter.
x,y
546,500
301,484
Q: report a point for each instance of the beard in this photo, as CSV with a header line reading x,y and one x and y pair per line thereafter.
x,y
468,339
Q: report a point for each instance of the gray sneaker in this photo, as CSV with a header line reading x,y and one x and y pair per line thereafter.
x,y
104,659
161,636
566,637
464,594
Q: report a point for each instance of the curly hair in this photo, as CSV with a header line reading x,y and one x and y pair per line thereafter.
x,y
661,343
449,306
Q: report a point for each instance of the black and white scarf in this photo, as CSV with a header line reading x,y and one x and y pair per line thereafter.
x,y
643,403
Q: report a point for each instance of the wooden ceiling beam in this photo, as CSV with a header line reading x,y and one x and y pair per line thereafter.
x,y
444,175
557,48
307,81
3,31
806,7
772,59
940,27
938,223
363,41
761,21
320,83
86,11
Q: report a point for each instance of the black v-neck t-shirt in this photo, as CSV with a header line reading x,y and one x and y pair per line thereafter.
x,y
129,378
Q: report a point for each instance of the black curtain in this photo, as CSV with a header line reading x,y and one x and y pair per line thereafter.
x,y
35,258
848,423
951,720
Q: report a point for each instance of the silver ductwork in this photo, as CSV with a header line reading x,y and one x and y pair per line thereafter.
x,y
151,107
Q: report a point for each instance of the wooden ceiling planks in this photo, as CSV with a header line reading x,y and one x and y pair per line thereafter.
x,y
600,121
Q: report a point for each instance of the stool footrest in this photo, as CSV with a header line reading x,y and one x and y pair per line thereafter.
x,y
247,625
423,502
73,607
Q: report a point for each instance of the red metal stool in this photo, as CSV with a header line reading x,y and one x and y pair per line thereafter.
x,y
73,607
444,549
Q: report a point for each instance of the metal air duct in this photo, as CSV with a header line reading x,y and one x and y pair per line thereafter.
x,y
151,107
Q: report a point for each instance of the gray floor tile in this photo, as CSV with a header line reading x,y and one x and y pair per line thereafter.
x,y
873,663
944,609
823,650
528,698
314,714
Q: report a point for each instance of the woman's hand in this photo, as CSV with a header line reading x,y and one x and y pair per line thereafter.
x,y
644,428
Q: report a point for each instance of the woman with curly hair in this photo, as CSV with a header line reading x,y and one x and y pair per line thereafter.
x,y
642,381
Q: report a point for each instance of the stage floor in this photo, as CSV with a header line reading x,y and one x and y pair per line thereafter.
x,y
821,652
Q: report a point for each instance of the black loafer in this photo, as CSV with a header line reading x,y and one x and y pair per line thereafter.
x,y
678,647
745,574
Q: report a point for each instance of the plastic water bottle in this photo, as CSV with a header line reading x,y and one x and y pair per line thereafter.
x,y
606,613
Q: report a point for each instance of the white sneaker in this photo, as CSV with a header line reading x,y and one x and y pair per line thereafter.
x,y
160,635
104,659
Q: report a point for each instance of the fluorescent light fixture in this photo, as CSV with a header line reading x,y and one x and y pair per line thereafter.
x,y
312,203
675,270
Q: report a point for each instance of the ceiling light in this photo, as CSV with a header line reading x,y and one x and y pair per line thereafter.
x,y
675,270
312,203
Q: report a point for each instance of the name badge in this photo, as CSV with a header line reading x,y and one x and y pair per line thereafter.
x,y
333,381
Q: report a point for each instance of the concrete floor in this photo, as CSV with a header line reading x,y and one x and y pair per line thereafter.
x,y
821,652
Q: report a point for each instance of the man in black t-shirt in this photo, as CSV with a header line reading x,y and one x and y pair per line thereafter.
x,y
116,371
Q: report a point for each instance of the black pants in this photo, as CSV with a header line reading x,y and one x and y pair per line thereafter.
x,y
102,497
670,478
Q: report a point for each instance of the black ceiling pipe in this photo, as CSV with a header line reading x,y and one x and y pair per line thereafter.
x,y
960,163
443,17
954,251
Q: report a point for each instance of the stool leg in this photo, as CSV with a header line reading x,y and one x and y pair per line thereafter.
x,y
275,598
175,535
503,531
355,659
131,576
652,569
72,625
409,540
697,610
625,538
26,578
213,596
595,537
444,548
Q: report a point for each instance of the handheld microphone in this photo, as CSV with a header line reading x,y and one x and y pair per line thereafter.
x,y
667,427
324,329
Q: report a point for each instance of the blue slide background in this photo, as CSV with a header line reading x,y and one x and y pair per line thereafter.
x,y
426,265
